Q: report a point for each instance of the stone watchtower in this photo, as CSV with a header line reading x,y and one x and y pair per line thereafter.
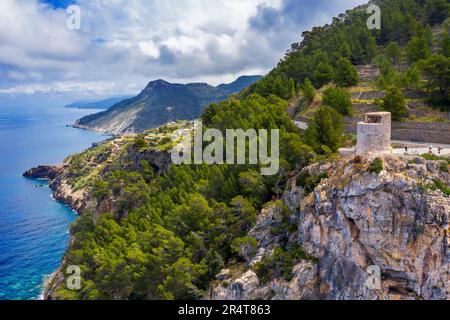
x,y
374,134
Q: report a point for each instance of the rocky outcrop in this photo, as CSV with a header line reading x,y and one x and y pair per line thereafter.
x,y
62,191
46,172
354,221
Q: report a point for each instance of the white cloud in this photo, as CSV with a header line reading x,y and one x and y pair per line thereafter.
x,y
149,48
123,44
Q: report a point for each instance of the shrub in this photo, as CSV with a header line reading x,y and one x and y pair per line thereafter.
x,y
139,143
376,166
286,225
101,189
442,186
245,247
280,264
434,157
308,182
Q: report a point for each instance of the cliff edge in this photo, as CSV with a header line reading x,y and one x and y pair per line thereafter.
x,y
396,220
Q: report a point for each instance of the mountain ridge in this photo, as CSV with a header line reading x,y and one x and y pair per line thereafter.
x,y
97,104
161,102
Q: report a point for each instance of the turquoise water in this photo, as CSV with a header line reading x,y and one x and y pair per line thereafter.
x,y
33,227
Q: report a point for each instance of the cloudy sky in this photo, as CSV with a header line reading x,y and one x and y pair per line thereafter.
x,y
123,44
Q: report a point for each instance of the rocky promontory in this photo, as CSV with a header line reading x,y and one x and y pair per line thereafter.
x,y
47,172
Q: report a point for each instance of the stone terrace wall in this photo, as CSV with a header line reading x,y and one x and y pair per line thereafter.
x,y
434,132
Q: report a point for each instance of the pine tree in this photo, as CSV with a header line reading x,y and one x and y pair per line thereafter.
x,y
428,35
346,74
309,91
411,77
339,99
437,70
394,102
437,11
325,130
323,74
417,49
445,45
292,89
393,52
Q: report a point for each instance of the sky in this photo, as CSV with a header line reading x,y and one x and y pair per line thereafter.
x,y
123,44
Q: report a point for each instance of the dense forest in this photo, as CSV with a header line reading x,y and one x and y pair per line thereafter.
x,y
170,234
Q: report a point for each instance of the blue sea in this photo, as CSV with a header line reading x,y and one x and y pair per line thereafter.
x,y
34,229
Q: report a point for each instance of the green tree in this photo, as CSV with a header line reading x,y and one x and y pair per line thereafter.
x,y
437,70
394,102
339,99
417,49
393,52
245,247
293,91
323,74
180,281
194,215
252,184
309,91
325,129
411,78
436,11
244,215
428,35
295,151
346,74
445,45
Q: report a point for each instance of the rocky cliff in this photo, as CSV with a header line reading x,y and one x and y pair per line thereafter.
x,y
397,220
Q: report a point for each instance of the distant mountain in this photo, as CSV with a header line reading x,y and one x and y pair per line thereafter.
x,y
161,102
102,104
240,83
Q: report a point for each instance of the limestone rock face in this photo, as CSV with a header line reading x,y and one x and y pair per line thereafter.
x,y
354,220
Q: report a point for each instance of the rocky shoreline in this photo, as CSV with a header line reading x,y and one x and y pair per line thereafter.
x,y
60,188
81,199
61,193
